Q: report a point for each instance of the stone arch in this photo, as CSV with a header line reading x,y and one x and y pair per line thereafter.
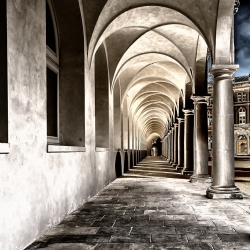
x,y
108,16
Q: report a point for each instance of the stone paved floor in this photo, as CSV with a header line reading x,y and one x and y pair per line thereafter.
x,y
152,209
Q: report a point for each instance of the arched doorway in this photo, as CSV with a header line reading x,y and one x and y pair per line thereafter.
x,y
242,145
126,162
131,160
135,157
118,165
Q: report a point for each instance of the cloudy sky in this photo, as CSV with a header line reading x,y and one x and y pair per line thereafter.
x,y
242,38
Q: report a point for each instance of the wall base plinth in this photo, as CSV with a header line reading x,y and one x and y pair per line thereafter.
x,y
205,178
179,167
186,172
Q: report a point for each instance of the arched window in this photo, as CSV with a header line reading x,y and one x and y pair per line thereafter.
x,y
242,116
52,76
209,118
65,60
242,145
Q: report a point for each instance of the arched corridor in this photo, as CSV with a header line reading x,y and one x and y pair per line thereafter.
x,y
90,89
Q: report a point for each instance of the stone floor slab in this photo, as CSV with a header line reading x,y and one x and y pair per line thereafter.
x,y
153,212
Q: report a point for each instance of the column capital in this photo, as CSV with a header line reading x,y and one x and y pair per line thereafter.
x,y
188,111
164,138
200,99
223,71
180,120
176,124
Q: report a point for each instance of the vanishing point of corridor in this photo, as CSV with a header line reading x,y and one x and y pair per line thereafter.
x,y
152,206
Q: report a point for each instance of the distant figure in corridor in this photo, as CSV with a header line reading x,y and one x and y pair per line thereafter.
x,y
154,149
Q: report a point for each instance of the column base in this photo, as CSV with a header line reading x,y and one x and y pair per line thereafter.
x,y
202,178
174,165
218,192
187,172
179,167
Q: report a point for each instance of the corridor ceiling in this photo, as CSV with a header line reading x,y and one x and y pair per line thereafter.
x,y
153,48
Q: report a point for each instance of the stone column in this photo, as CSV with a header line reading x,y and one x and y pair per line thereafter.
x,y
163,146
188,141
175,161
223,134
166,147
172,145
180,143
200,140
169,145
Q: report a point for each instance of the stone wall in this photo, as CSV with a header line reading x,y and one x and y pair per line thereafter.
x,y
38,189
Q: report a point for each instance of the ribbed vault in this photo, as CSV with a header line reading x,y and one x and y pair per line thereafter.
x,y
152,50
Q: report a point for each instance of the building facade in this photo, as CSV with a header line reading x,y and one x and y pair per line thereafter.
x,y
241,98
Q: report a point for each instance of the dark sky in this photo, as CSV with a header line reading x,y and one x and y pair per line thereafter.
x,y
242,38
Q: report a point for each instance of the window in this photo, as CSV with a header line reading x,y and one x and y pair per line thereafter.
x,y
65,74
242,116
3,75
241,97
210,142
244,97
52,77
209,118
211,101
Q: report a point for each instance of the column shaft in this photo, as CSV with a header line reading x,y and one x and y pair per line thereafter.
x,y
200,140
188,142
169,147
175,163
223,134
172,146
180,143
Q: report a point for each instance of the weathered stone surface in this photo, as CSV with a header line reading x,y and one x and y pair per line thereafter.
x,y
70,246
188,220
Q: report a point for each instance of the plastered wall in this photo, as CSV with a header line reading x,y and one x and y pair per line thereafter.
x,y
38,189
